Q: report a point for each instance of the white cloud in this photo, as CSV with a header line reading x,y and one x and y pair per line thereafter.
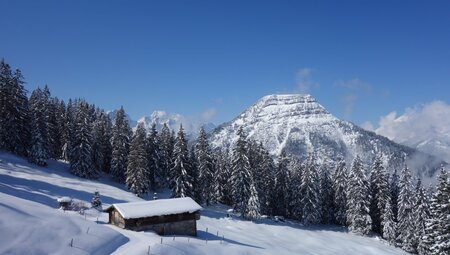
x,y
368,126
354,88
304,80
208,114
426,127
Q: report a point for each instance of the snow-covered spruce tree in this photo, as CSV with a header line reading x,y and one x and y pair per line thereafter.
x,y
14,111
340,192
102,137
253,205
295,183
59,113
394,190
223,177
310,193
81,159
153,158
67,133
421,212
240,175
120,141
96,201
405,227
38,153
389,226
182,185
326,195
262,166
166,149
437,228
137,169
50,119
379,190
358,200
206,171
281,185
193,171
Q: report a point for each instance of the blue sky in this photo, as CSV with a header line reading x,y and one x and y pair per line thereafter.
x,y
360,59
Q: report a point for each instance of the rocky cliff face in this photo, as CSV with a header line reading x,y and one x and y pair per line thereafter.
x,y
300,125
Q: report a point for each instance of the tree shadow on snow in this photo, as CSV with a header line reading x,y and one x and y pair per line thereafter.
x,y
211,237
43,192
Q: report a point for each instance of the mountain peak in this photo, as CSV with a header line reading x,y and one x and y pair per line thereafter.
x,y
288,105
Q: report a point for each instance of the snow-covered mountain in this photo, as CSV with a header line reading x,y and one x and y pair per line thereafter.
x,y
173,120
300,125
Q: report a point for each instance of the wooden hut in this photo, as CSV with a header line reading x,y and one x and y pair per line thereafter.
x,y
176,216
64,203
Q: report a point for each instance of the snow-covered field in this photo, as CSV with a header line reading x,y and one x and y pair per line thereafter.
x,y
31,224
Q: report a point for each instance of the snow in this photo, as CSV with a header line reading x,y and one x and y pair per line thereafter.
x,y
32,224
64,200
157,207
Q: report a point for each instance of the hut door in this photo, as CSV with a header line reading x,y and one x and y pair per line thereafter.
x,y
116,219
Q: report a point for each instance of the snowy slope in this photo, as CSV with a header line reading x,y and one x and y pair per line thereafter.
x,y
31,224
300,125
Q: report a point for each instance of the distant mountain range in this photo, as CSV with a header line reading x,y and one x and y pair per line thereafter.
x,y
300,125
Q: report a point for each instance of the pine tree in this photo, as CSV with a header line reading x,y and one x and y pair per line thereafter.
x,y
137,168
182,180
102,141
405,216
223,176
326,196
310,193
166,150
14,111
205,168
437,228
38,153
281,185
120,141
394,190
253,204
81,154
421,215
96,201
358,200
153,158
379,189
295,197
240,177
388,223
340,192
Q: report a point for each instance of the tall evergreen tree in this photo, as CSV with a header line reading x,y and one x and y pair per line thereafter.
x,y
281,185
310,193
166,150
421,214
388,223
358,200
182,180
153,158
379,190
121,133
241,175
223,176
137,169
81,154
437,228
205,168
295,195
14,111
395,191
102,129
327,205
38,153
405,214
340,179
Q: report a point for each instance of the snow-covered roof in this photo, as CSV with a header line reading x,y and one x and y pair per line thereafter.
x,y
158,207
64,199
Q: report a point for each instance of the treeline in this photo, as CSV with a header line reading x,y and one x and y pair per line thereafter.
x,y
397,207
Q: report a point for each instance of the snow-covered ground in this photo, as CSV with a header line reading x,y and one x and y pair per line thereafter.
x,y
31,224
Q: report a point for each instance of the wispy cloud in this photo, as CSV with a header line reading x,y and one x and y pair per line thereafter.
x,y
353,90
304,80
208,114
